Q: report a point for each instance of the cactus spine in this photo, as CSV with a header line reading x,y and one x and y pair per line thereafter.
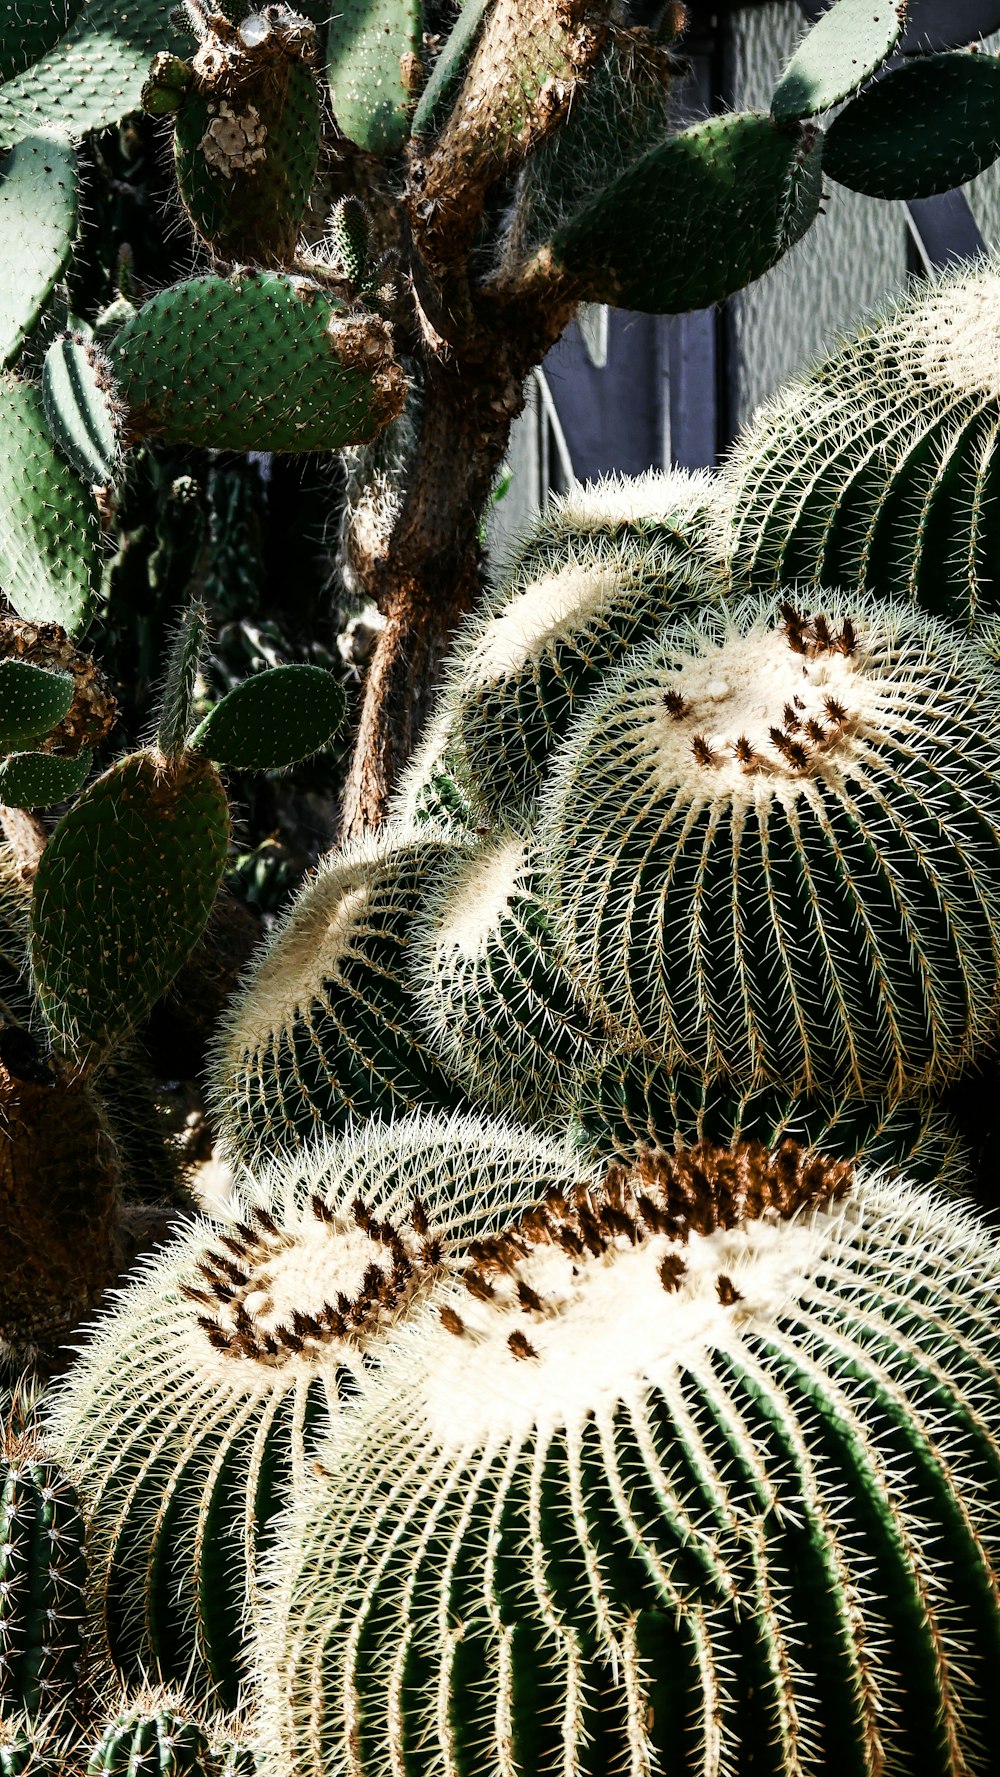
x,y
709,1479
775,783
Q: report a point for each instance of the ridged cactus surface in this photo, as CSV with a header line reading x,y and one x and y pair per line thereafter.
x,y
701,1472
494,999
154,1739
433,787
257,361
878,468
326,1027
192,1415
82,408
770,845
43,1573
521,667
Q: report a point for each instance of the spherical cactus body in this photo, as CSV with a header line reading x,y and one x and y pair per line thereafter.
x,y
155,1738
194,1412
707,1479
326,1027
878,468
770,845
43,1572
496,1002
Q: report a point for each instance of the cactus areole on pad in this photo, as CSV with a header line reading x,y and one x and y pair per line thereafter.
x,y
698,1472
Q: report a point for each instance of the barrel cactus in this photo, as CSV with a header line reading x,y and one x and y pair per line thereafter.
x,y
151,1735
325,1028
877,469
192,1414
706,1478
770,844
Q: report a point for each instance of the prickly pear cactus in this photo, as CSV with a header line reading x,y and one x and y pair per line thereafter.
x,y
698,1472
43,1573
326,1027
193,1413
38,217
876,468
778,782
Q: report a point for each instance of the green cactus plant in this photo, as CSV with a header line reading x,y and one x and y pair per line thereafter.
x,y
246,132
91,75
432,790
495,1001
624,1101
774,783
37,780
43,1573
706,1478
374,70
927,126
50,540
38,217
82,409
193,1413
325,1028
845,46
875,469
315,375
37,1746
523,664
151,1736
274,718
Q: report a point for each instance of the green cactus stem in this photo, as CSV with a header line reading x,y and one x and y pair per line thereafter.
x,y
837,56
770,845
192,1415
449,70
32,29
43,1573
152,1736
374,70
877,468
928,126
38,216
431,789
326,1027
247,133
256,361
699,1471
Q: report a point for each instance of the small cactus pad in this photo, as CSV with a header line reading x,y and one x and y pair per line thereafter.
x,y
33,701
256,361
927,126
495,1002
36,780
374,70
522,666
246,134
697,217
160,1741
81,408
50,540
38,209
706,1480
878,469
448,72
213,1377
777,782
326,1028
43,1573
837,56
123,891
92,76
627,1101
275,718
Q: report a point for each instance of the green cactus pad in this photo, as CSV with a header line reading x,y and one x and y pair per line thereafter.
x,y
496,1004
93,76
697,217
373,66
36,780
123,891
326,1028
30,29
50,540
33,701
448,72
43,1574
256,361
38,213
626,1101
928,126
151,1742
522,665
770,845
837,56
37,1745
879,468
187,646
81,408
274,719
247,134
707,1480
193,1414
16,1001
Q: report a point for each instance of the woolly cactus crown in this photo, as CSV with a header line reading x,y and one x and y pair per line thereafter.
x,y
779,782
701,1469
191,1414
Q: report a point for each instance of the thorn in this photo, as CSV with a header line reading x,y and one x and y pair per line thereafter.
x,y
452,1322
236,1247
799,705
344,1303
363,1216
321,1209
815,731
821,632
529,1299
672,1270
478,1286
743,750
418,1216
836,711
243,1322
265,1219
848,643
727,1291
792,723
432,1250
195,1295
675,705
520,1346
213,1333
702,750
